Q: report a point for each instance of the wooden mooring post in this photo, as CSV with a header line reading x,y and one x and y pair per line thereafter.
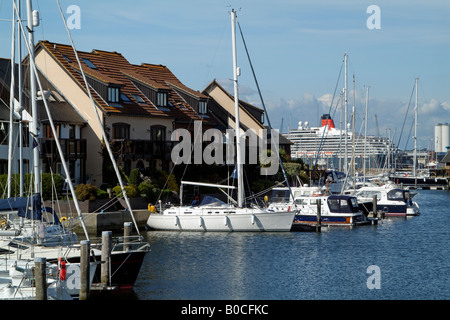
x,y
374,209
106,258
319,215
84,269
40,271
127,227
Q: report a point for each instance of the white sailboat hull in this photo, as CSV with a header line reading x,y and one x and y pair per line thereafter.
x,y
247,220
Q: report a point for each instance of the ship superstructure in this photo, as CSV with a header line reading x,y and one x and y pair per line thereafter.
x,y
327,145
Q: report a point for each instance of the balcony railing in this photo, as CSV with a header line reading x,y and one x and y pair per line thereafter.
x,y
142,149
72,148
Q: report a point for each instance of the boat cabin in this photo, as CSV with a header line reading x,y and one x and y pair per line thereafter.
x,y
342,204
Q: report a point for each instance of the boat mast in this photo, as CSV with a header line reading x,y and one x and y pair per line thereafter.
x,y
353,133
365,135
20,107
236,73
415,131
345,115
11,107
34,129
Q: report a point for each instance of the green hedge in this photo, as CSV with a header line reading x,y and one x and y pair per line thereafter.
x,y
52,185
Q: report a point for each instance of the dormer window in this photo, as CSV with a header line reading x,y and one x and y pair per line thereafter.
x,y
202,107
66,58
113,94
161,99
138,98
89,63
125,98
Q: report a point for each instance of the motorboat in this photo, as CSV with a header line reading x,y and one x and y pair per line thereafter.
x,y
335,210
391,200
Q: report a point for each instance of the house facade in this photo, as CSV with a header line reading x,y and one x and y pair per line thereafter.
x,y
138,106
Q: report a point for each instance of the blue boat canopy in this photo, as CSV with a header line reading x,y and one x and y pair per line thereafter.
x,y
342,204
26,207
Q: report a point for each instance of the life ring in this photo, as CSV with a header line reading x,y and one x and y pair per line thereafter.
x,y
4,223
62,269
63,219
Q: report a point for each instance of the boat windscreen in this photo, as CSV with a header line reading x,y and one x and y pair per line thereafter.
x,y
341,205
208,200
396,195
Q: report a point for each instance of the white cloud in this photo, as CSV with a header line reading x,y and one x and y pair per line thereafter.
x,y
432,106
445,105
325,99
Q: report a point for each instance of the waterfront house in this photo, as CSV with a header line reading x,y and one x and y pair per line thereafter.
x,y
222,108
68,124
139,106
5,82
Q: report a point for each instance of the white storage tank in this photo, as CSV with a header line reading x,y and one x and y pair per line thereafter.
x,y
445,137
441,137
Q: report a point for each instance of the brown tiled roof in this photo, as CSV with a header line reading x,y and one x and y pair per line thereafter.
x,y
113,68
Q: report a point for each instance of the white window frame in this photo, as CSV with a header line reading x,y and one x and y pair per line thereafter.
x,y
161,99
113,94
202,107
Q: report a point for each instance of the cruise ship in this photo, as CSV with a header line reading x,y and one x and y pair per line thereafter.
x,y
326,146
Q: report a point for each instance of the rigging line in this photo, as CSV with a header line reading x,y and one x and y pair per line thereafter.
x,y
329,112
406,115
265,110
33,67
99,121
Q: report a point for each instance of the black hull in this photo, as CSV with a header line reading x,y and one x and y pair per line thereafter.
x,y
125,267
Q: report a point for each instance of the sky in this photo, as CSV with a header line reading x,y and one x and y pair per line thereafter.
x,y
296,48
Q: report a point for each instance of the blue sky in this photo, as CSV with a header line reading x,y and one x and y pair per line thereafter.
x,y
297,49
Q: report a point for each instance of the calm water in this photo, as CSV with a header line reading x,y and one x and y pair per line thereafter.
x,y
413,256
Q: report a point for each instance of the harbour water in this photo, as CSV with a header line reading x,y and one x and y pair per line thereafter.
x,y
400,258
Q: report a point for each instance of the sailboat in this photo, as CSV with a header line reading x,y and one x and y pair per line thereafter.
x,y
126,256
213,214
417,179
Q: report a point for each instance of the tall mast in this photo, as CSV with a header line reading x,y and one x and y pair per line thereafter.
x,y
415,131
34,129
11,106
365,134
240,191
353,132
345,114
20,110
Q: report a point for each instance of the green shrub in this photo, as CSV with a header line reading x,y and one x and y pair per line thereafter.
x,y
86,192
52,185
102,194
132,191
135,177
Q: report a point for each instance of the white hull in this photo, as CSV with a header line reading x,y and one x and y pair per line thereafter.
x,y
251,221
